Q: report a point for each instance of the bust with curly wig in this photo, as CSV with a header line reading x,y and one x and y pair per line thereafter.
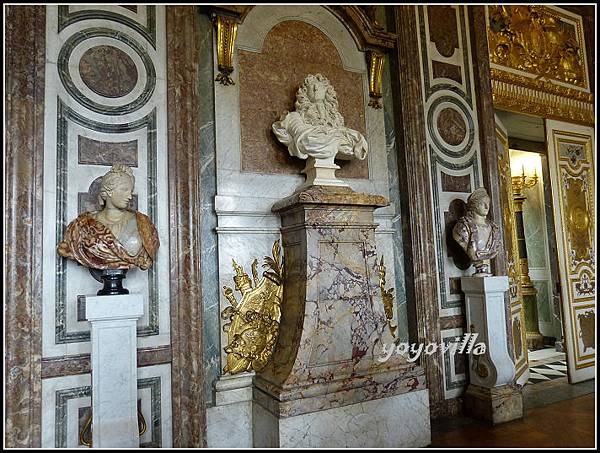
x,y
316,132
114,237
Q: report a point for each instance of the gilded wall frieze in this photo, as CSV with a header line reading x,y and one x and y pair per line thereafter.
x,y
537,40
253,325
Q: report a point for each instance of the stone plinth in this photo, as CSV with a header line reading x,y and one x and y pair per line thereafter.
x,y
491,394
333,326
229,421
114,369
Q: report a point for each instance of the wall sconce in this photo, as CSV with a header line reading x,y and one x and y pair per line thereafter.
x,y
523,181
375,60
226,33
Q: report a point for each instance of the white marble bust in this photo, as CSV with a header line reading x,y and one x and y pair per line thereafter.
x,y
316,132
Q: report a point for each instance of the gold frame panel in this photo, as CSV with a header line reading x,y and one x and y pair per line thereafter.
x,y
533,91
575,269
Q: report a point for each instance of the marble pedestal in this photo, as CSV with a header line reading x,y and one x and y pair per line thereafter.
x,y
324,385
491,394
229,421
114,369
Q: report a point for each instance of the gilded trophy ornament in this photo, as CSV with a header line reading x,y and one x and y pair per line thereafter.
x,y
253,325
114,239
388,298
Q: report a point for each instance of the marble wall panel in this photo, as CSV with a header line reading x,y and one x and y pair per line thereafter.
x,y
76,114
105,103
291,50
67,399
451,117
25,46
246,226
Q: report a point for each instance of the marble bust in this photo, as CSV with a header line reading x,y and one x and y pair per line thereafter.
x,y
316,132
476,234
113,237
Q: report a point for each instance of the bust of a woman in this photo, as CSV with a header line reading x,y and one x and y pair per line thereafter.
x,y
476,234
316,131
113,237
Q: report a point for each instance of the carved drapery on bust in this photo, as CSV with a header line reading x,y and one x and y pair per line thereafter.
x,y
114,237
478,236
316,131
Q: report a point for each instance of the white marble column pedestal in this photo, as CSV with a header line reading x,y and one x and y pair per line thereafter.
x,y
229,421
114,369
492,394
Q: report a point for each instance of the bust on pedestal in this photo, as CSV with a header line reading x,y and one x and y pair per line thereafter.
x,y
491,394
109,242
325,385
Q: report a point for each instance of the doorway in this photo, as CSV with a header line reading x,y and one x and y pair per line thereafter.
x,y
542,299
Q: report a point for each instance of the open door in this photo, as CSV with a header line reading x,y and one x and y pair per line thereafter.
x,y
571,159
517,312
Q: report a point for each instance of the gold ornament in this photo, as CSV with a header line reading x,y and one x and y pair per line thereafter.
x,y
253,324
388,298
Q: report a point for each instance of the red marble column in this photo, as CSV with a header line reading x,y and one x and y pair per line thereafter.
x,y
189,422
24,134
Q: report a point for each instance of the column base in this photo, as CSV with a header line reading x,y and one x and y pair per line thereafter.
x,y
229,422
534,341
396,421
496,405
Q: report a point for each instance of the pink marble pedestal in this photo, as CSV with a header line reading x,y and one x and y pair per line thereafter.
x,y
332,331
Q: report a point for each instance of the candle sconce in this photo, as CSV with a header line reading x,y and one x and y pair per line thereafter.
x,y
521,182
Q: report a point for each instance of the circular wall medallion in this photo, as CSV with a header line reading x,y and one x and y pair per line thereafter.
x,y
94,82
451,127
108,71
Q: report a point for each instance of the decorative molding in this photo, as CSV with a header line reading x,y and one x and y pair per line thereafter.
x,y
184,160
80,364
25,47
526,100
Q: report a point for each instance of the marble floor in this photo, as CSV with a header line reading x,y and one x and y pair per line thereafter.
x,y
545,365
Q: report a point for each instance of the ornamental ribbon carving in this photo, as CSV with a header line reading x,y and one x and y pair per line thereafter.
x,y
532,39
388,297
253,324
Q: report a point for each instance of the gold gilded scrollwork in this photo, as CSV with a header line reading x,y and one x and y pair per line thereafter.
x,y
532,39
388,297
226,33
253,324
376,60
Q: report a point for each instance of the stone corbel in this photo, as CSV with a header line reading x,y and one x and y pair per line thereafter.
x,y
375,61
226,33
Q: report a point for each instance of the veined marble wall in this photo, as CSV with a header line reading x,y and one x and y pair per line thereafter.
x,y
246,227
105,103
454,156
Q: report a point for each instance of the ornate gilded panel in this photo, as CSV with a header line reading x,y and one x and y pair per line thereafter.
x,y
538,62
572,165
512,256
